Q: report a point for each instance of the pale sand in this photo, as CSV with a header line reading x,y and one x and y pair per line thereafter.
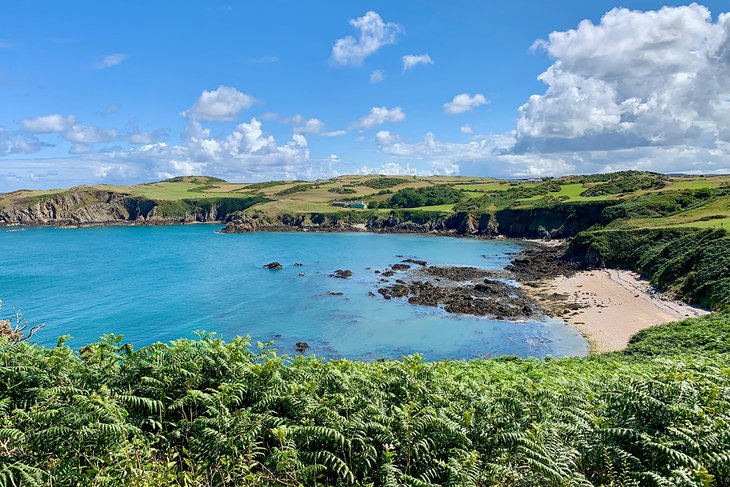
x,y
614,305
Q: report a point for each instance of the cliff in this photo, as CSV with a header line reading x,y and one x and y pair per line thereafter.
x,y
94,207
558,221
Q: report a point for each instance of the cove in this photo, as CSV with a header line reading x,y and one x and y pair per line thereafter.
x,y
160,283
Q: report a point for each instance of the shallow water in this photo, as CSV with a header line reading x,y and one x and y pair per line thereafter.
x,y
162,283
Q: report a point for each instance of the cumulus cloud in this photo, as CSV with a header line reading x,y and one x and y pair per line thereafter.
x,y
140,137
396,169
380,115
373,34
377,76
464,102
16,143
110,60
68,128
48,123
410,61
466,129
223,104
305,125
655,78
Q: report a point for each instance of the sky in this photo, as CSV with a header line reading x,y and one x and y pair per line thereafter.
x,y
129,92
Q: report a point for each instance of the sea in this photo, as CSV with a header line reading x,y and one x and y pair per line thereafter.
x,y
162,283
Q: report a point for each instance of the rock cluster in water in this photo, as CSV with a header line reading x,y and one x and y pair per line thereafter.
x,y
487,298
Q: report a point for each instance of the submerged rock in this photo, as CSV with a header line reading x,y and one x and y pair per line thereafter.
x,y
342,274
400,267
301,347
416,261
274,266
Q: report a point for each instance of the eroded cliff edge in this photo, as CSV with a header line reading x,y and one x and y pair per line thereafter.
x,y
94,207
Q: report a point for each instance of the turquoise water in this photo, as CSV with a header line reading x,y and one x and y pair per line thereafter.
x,y
162,283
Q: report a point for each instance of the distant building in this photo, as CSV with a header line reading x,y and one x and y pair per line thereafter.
x,y
360,205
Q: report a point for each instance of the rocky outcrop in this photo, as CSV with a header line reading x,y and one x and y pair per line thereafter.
x,y
76,208
555,221
95,207
489,298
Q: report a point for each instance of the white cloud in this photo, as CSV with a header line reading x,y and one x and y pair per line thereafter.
x,y
48,123
14,143
86,134
373,34
396,169
335,133
385,137
305,126
635,79
380,115
410,61
223,103
67,127
377,76
464,102
466,129
110,60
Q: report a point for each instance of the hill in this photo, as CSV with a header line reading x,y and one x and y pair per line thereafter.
x,y
672,229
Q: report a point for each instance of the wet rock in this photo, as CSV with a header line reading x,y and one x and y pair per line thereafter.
x,y
388,273
298,264
371,294
342,273
400,267
274,266
416,261
335,293
455,273
395,291
537,263
301,347
493,298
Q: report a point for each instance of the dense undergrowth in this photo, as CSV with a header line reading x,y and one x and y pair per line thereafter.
x,y
692,264
206,412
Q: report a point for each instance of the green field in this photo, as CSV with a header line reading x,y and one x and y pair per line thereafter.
x,y
477,194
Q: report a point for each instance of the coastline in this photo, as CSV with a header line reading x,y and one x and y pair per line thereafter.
x,y
608,306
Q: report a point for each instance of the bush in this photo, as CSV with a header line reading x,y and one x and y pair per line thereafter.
x,y
428,196
205,412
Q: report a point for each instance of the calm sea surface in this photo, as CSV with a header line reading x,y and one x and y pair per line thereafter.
x,y
162,283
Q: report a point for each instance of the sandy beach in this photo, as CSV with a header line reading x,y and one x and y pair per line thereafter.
x,y
609,306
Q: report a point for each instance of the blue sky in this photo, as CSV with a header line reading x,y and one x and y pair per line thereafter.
x,y
138,91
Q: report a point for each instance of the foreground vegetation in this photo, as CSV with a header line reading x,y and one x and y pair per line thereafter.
x,y
205,412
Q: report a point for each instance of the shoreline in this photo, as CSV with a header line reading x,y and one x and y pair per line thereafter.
x,y
608,306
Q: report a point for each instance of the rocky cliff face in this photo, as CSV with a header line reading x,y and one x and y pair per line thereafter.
x,y
92,207
557,221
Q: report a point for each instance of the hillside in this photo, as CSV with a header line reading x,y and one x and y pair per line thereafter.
x,y
204,412
183,198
